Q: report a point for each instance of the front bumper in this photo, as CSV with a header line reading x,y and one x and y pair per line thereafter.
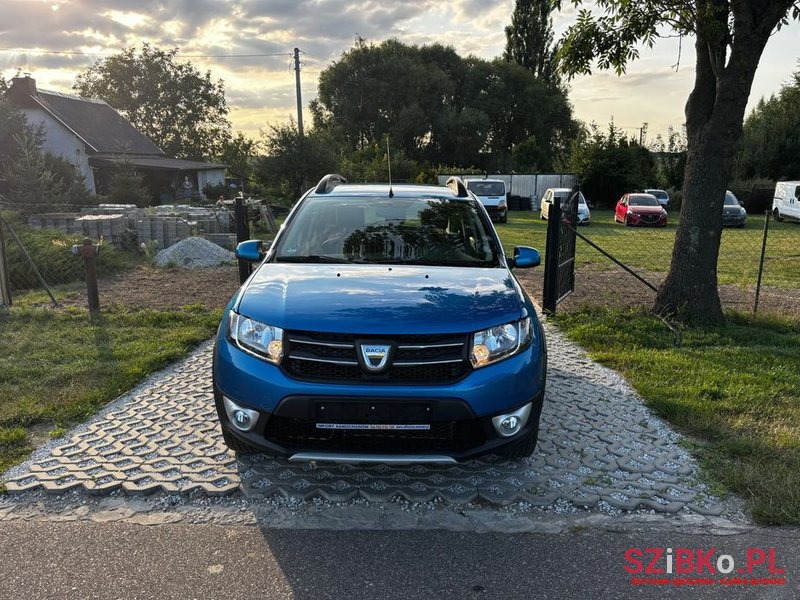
x,y
458,415
452,434
734,220
497,212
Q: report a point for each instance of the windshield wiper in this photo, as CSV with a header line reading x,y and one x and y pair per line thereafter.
x,y
436,263
313,258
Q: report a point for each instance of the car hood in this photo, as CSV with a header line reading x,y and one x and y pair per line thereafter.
x,y
646,210
368,299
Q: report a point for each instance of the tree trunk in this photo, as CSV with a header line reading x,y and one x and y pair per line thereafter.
x,y
714,116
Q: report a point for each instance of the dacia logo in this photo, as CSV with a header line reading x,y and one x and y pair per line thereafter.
x,y
375,356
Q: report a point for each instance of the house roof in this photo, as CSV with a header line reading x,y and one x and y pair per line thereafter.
x,y
101,127
154,162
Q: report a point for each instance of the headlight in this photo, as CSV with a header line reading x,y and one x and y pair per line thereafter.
x,y
258,338
497,343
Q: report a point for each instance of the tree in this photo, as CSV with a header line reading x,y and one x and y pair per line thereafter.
x,y
770,145
609,164
180,109
238,152
730,36
292,162
438,107
529,39
670,157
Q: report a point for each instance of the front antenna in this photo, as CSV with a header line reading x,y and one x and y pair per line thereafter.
x,y
389,160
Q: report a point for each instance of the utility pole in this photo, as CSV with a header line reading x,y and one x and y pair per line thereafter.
x,y
642,134
300,114
299,94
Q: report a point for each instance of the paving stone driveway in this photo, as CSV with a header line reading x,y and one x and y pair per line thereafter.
x,y
599,448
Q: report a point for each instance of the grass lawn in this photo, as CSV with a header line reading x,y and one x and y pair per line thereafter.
x,y
650,249
735,389
59,367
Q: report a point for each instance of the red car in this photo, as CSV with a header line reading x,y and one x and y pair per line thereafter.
x,y
643,210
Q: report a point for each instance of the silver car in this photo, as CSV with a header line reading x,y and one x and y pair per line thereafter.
x,y
563,195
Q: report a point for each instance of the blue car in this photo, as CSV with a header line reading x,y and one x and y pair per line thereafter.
x,y
383,324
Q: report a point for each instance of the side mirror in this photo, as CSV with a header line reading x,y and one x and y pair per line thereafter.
x,y
251,250
525,257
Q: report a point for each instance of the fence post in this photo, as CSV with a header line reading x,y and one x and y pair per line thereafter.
x,y
5,287
242,234
550,285
767,215
89,251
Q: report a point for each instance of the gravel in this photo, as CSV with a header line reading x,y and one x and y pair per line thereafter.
x,y
194,253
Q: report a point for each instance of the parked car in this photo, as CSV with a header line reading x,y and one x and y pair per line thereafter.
x,y
563,194
640,210
492,194
661,195
733,213
786,203
382,327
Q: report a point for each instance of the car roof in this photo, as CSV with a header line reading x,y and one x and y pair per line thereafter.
x,y
559,189
640,194
382,189
484,179
648,190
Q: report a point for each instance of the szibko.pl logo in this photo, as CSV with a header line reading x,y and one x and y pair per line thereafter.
x,y
701,566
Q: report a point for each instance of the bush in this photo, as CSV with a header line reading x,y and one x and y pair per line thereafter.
x,y
50,252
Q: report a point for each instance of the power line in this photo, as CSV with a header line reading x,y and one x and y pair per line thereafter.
x,y
101,54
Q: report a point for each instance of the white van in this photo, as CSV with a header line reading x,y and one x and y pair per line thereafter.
x,y
492,194
786,204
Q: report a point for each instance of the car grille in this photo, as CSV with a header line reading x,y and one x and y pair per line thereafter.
x,y
442,436
650,219
314,356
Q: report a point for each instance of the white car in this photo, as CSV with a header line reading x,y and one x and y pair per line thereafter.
x,y
786,204
563,194
661,195
492,194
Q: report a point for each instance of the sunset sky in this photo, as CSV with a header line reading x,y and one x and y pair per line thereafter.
x,y
55,40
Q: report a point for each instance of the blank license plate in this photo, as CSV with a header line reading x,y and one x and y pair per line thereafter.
x,y
376,426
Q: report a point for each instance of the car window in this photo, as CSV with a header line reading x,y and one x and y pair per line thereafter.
x,y
486,188
730,200
387,230
643,200
581,199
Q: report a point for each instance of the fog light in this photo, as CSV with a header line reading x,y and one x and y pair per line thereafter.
x,y
511,423
242,418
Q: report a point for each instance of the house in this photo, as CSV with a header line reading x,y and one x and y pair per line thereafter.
x,y
95,138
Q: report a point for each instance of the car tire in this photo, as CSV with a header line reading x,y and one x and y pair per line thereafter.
x,y
241,448
626,222
777,214
542,217
521,448
504,219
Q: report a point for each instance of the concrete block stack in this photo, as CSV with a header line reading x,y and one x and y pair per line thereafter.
x,y
165,230
61,221
110,227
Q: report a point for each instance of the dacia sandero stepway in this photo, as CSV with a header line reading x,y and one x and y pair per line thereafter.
x,y
383,324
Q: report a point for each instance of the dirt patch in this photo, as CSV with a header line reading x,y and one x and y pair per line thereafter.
x,y
149,287
617,288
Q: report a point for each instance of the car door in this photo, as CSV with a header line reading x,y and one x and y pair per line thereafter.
x,y
622,208
793,199
548,195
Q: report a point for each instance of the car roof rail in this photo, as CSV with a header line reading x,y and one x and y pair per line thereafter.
x,y
458,187
327,183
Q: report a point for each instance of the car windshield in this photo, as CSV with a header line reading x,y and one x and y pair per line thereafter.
x,y
658,194
431,231
730,200
581,199
643,200
486,188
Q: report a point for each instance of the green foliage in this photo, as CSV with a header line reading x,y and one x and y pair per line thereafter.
x,y
609,165
440,108
182,110
670,159
770,144
735,386
127,185
50,252
369,164
529,39
291,163
239,152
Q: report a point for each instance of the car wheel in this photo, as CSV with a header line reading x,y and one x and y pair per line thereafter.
x,y
542,217
777,214
521,448
238,446
504,219
627,222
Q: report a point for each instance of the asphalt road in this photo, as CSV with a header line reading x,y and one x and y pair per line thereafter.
x,y
120,560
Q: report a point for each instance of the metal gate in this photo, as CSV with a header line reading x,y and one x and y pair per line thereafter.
x,y
559,260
